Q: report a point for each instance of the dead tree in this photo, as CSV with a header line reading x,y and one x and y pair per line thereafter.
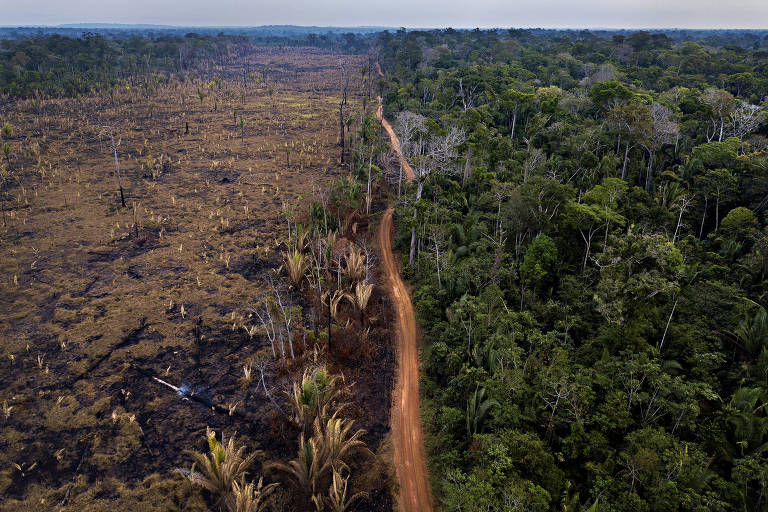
x,y
263,313
427,154
287,316
109,129
682,204
343,105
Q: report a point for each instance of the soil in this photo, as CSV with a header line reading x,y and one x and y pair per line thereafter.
x,y
96,299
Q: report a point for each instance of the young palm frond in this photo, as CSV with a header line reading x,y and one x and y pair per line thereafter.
x,y
337,494
331,238
334,441
313,395
249,497
354,265
221,468
478,407
361,297
330,242
335,299
295,265
752,330
302,239
307,471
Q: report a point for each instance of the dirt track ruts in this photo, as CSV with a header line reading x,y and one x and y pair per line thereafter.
x,y
408,441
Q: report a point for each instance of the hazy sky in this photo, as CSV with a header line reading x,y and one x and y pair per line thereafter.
x,y
396,13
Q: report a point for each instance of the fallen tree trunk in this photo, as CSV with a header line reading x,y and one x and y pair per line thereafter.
x,y
191,395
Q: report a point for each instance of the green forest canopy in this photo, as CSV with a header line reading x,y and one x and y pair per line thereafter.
x,y
590,268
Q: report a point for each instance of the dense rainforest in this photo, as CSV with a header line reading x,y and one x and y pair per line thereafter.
x,y
587,245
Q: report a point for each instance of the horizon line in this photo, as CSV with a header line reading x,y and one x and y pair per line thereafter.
x,y
381,27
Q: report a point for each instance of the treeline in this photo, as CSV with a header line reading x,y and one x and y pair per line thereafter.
x,y
644,60
54,65
65,62
62,66
587,243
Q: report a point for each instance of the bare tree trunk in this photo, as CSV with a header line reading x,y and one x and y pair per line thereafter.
x,y
467,166
342,105
117,165
648,172
419,188
703,216
717,212
683,202
626,160
285,310
669,320
722,125
588,243
368,191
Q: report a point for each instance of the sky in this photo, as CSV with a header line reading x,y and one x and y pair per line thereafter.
x,y
396,13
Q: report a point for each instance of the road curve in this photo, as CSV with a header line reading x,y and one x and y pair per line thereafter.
x,y
394,142
408,441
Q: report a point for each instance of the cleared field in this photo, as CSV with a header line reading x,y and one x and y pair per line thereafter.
x,y
95,298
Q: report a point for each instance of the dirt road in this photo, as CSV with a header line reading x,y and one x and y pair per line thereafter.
x,y
395,143
409,456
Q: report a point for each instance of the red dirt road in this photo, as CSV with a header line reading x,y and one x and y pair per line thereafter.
x,y
408,441
395,143
409,455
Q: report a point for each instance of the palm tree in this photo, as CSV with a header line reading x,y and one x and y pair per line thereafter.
x,y
306,471
337,494
354,265
220,469
7,150
332,300
335,300
360,299
312,397
242,127
322,455
249,497
746,414
477,410
302,238
334,441
752,334
295,265
7,129
752,331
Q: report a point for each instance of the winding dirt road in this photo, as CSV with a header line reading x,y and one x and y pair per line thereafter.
x,y
395,143
408,441
393,140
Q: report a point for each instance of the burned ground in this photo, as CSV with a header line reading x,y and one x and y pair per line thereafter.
x,y
96,299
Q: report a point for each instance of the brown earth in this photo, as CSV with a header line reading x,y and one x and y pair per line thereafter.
x,y
93,294
409,455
